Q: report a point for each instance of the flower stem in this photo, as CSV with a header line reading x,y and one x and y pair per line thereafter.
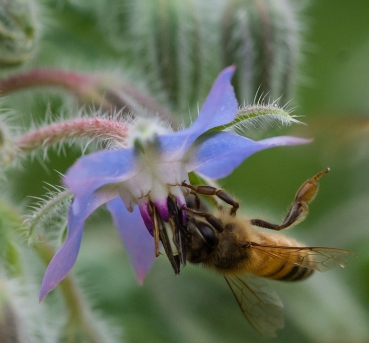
x,y
44,77
104,90
70,129
81,85
77,321
56,201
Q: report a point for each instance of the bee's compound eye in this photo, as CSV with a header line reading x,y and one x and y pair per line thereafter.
x,y
209,235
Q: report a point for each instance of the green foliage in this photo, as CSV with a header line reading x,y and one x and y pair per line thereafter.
x,y
170,51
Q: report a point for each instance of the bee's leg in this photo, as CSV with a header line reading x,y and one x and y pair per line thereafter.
x,y
299,208
197,201
220,193
215,222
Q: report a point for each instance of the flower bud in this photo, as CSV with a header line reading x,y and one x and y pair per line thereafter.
x,y
167,40
262,39
17,31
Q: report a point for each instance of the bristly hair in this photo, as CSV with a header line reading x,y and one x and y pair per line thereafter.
x,y
100,128
27,321
261,114
48,214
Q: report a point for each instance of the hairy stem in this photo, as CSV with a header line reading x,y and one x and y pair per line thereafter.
x,y
104,90
70,129
44,77
82,86
47,208
77,320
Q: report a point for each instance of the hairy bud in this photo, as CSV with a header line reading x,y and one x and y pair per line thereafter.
x,y
167,40
263,39
17,31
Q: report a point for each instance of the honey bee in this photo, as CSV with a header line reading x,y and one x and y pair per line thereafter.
x,y
231,246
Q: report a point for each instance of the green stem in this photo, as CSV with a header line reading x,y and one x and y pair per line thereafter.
x,y
77,321
10,223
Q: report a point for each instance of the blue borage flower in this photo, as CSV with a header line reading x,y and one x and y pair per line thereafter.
x,y
136,181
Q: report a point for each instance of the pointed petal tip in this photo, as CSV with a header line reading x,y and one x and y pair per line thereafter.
x,y
45,290
228,70
232,68
285,140
141,269
50,281
142,265
308,140
40,298
290,140
140,276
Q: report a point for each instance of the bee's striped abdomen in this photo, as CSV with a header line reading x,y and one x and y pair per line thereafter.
x,y
292,273
273,267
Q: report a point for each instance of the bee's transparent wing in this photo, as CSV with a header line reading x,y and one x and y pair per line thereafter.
x,y
318,258
259,303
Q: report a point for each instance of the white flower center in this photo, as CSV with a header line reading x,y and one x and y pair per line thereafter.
x,y
154,181
144,130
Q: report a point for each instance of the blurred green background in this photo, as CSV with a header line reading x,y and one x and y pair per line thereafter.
x,y
332,98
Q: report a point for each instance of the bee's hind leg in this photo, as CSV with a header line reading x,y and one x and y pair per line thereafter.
x,y
299,209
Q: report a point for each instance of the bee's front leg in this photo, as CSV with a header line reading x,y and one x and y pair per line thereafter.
x,y
220,193
214,221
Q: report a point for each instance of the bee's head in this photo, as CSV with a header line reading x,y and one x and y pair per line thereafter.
x,y
202,240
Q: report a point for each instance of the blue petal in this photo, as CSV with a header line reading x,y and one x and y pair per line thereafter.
x,y
95,170
137,240
216,155
66,256
220,108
